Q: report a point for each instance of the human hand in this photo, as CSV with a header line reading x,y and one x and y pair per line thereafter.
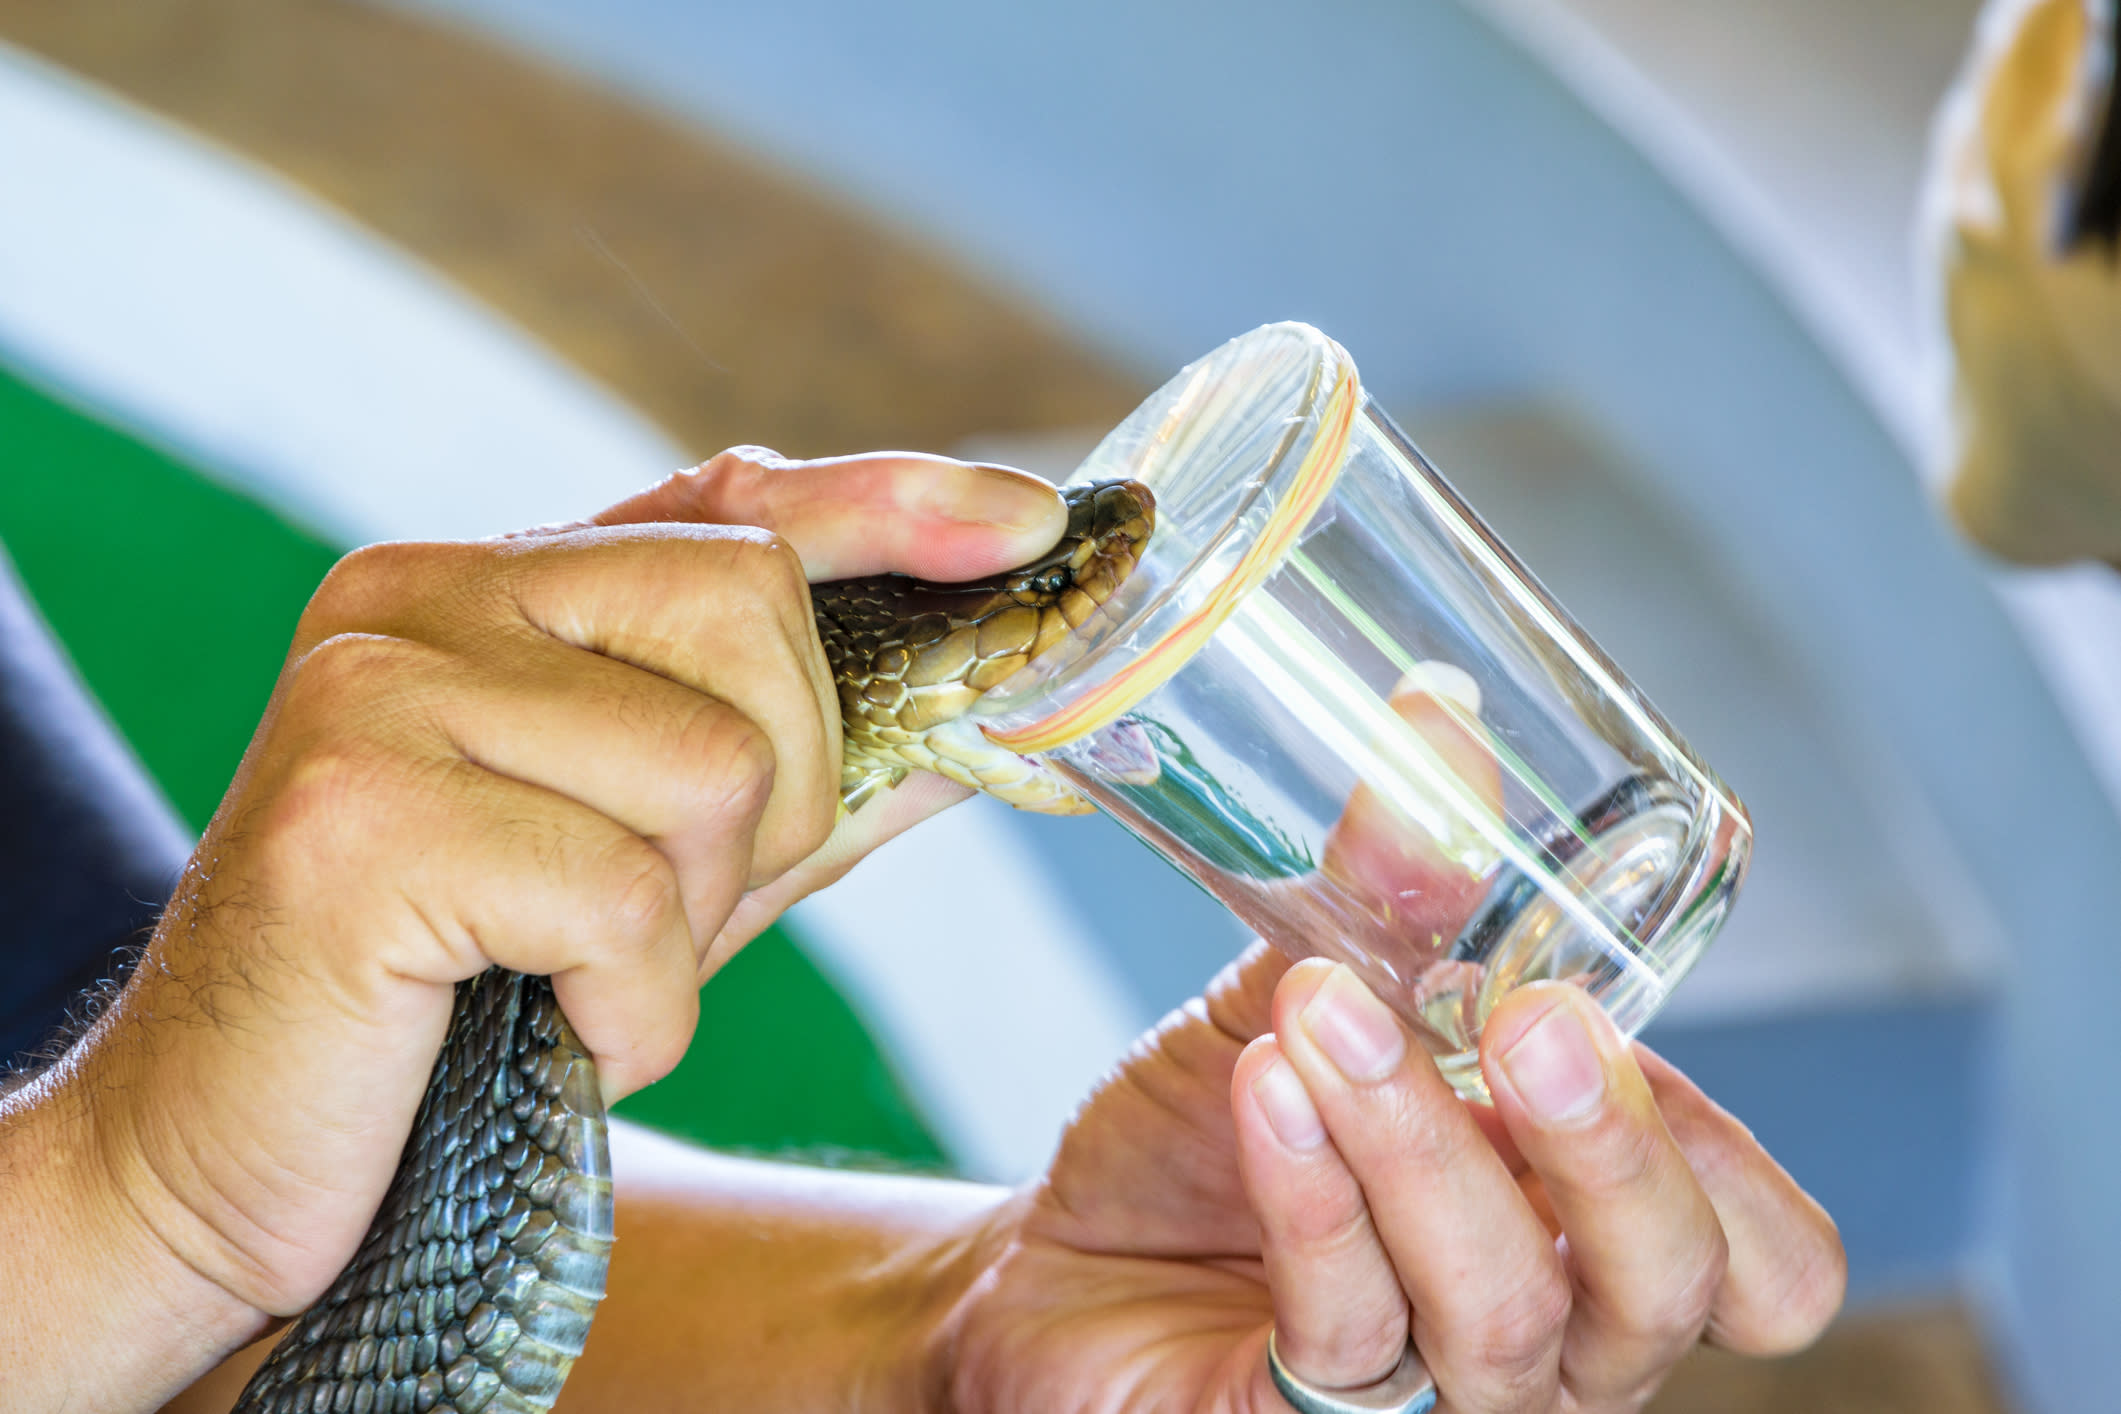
x,y
1282,1154
1285,1156
608,752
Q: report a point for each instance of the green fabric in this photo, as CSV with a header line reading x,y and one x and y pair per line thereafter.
x,y
782,1066
177,598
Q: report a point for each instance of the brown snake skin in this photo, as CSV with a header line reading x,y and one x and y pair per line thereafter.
x,y
475,1286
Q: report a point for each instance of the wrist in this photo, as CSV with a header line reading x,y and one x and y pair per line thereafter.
x,y
944,1292
102,1312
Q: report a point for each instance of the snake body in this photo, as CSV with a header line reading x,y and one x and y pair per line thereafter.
x,y
474,1288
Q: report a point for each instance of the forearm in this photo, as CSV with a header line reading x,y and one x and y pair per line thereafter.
x,y
765,1287
745,1285
96,1312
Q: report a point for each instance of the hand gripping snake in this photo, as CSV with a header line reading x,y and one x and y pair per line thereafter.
x,y
474,1288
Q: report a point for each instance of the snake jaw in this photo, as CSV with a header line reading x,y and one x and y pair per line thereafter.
x,y
910,658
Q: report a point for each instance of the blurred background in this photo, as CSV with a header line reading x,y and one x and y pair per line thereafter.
x,y
279,277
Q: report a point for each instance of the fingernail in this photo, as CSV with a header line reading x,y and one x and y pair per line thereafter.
x,y
1002,496
1356,1031
1288,1106
1555,1068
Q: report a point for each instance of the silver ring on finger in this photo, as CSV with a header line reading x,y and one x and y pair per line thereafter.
x,y
1407,1390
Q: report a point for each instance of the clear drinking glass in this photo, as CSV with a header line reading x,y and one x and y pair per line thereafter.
x,y
1333,699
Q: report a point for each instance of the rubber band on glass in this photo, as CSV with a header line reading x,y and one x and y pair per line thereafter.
x,y
1153,668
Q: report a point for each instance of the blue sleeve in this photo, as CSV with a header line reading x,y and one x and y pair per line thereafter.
x,y
89,850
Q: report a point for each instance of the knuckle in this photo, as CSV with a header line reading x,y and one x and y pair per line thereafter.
x,y
1422,1133
757,579
325,805
730,758
727,483
639,888
1678,1311
351,586
319,788
770,565
747,459
1516,1339
350,659
358,682
1333,1225
367,587
1615,1158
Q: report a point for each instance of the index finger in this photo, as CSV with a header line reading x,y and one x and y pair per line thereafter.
x,y
881,512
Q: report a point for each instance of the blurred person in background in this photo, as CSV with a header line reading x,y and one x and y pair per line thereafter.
x,y
436,788
2021,225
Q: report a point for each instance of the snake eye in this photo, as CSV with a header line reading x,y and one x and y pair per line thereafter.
x,y
1053,581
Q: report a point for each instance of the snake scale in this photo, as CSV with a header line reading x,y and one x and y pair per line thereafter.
x,y
474,1288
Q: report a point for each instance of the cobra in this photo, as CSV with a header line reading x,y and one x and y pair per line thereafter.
x,y
474,1288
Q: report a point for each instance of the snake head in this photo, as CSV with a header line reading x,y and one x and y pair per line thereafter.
x,y
910,658
1108,523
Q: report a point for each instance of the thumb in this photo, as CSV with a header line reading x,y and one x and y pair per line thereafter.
x,y
903,512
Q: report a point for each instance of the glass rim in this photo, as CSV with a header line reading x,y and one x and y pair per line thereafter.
x,y
1266,415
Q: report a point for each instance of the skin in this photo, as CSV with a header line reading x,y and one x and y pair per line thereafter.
x,y
609,752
